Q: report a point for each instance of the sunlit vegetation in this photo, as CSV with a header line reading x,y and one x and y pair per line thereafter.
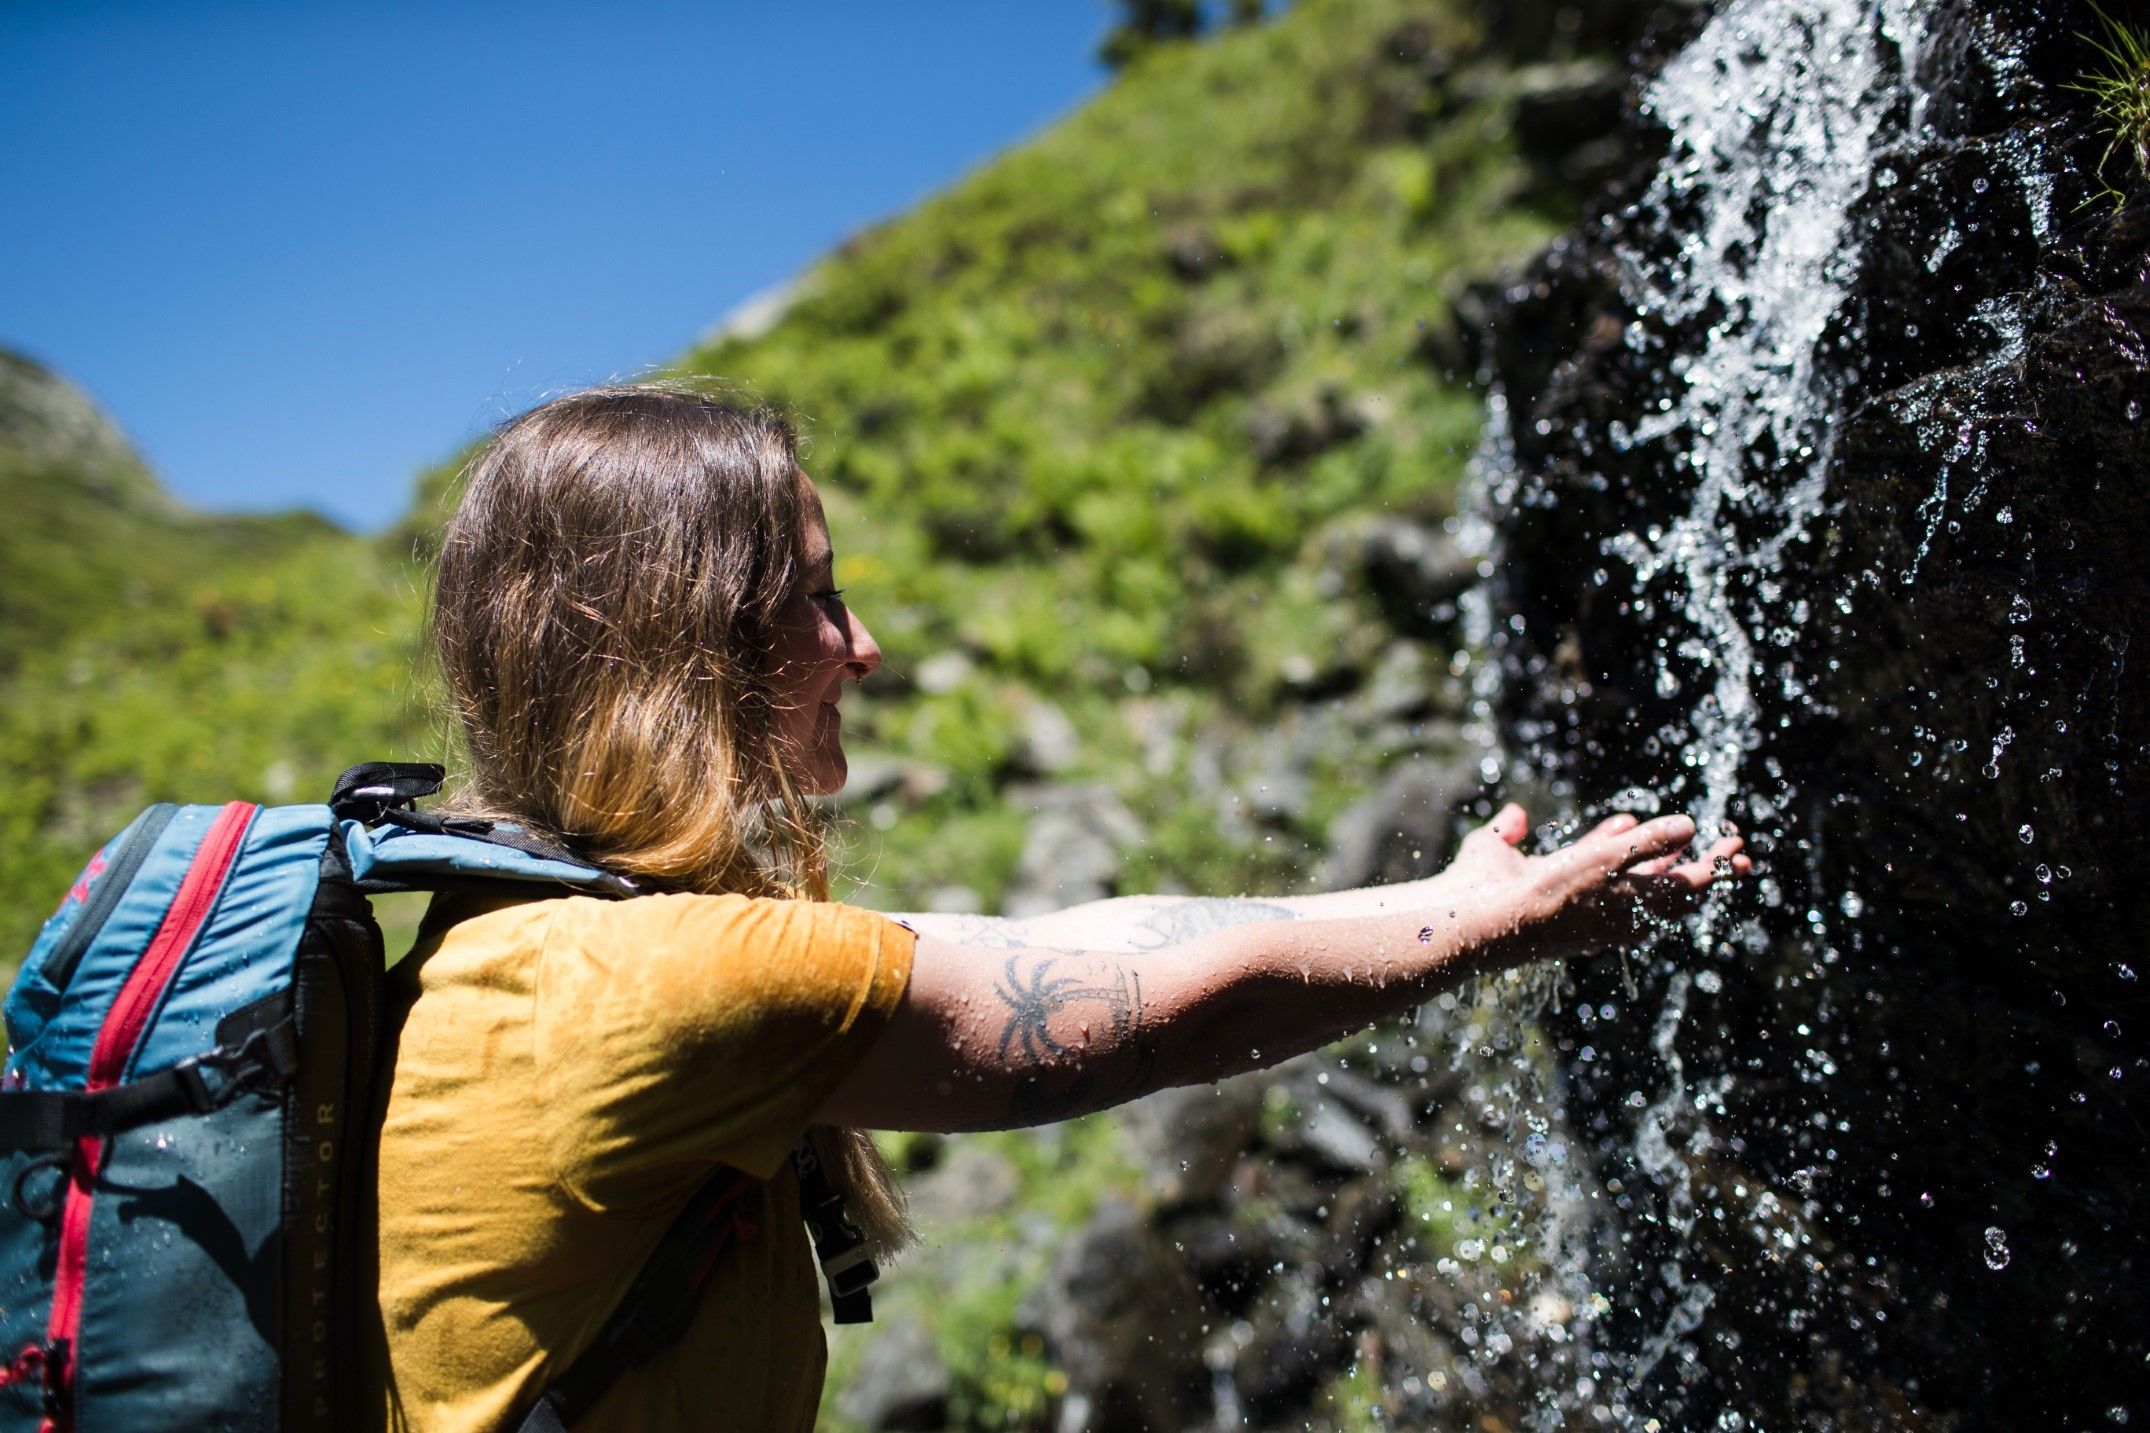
x,y
1094,425
2120,86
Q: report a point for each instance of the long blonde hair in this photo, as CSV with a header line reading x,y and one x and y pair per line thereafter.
x,y
602,619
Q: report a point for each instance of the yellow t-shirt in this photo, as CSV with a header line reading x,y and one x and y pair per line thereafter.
x,y
569,1072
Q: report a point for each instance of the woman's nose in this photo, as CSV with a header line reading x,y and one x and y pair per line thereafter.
x,y
865,653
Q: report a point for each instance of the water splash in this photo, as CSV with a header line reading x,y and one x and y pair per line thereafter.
x,y
1780,114
1777,113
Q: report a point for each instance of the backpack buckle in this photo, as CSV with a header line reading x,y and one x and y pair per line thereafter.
x,y
264,1058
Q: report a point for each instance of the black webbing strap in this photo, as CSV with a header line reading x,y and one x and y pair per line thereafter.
x,y
658,1306
837,1244
54,1119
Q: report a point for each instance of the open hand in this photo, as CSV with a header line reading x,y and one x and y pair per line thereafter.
x,y
1609,885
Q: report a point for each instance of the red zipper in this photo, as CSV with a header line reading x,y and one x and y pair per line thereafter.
x,y
122,1030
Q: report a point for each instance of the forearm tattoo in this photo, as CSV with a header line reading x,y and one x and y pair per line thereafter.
x,y
1035,995
1168,922
1057,1073
1199,915
973,930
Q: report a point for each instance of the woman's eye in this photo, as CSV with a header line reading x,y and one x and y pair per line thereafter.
x,y
834,594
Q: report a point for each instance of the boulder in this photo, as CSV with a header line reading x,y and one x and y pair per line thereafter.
x,y
1121,1319
969,1182
1072,853
1405,828
1187,1140
1416,573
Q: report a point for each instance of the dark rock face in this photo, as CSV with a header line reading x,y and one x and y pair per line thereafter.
x,y
1869,1153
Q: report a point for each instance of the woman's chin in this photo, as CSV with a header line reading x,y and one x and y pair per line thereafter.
x,y
828,772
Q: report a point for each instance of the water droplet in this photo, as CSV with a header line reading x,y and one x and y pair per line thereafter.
x,y
1997,1254
2025,834
2017,908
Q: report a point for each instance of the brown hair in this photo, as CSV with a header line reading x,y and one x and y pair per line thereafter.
x,y
602,619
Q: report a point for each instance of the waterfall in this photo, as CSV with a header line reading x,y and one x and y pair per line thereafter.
x,y
1754,546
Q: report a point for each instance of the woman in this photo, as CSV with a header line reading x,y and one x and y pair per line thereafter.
x,y
641,639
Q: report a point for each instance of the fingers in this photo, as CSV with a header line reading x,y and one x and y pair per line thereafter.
x,y
1614,824
1607,853
1726,857
1668,886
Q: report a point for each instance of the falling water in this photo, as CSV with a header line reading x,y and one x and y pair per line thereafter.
x,y
1680,598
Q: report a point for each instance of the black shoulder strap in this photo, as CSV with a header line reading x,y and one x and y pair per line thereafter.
x,y
659,1304
837,1243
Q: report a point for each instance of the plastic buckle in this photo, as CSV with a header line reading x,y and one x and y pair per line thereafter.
x,y
850,1271
258,1057
200,1097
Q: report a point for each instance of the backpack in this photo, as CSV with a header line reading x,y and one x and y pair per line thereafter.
x,y
195,1072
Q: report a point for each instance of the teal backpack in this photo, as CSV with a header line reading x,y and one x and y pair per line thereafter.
x,y
195,1061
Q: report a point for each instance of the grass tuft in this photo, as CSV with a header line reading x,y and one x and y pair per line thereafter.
x,y
2120,88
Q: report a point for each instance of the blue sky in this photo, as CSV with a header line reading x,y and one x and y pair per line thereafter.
x,y
300,250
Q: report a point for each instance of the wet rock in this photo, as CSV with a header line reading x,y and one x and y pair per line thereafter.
x,y
1363,1213
1229,1255
1217,351
1285,434
1072,853
1559,29
1945,715
1405,829
1192,251
1279,784
901,1382
1383,1107
1120,1316
1568,116
1294,1347
1404,686
1327,1134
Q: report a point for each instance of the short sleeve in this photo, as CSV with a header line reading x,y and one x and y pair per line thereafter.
x,y
677,1032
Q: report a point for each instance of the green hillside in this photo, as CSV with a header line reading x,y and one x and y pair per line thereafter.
x,y
149,653
1097,424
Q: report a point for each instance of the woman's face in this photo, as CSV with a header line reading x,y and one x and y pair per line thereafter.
x,y
819,645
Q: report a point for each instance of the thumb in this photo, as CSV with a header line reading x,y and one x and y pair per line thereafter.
x,y
1509,825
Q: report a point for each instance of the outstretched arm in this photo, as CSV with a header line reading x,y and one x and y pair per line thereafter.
x,y
1091,1007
